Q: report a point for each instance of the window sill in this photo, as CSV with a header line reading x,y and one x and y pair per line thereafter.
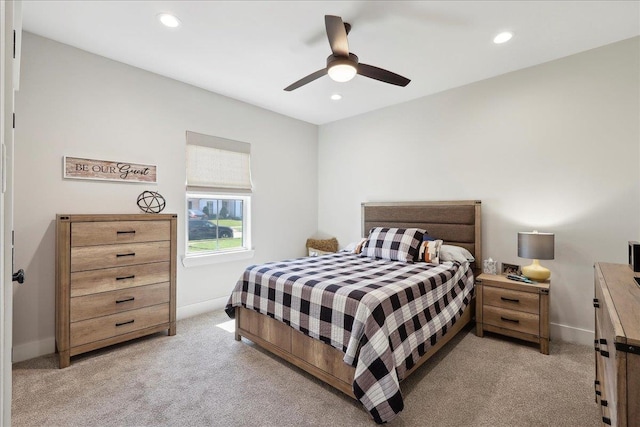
x,y
207,259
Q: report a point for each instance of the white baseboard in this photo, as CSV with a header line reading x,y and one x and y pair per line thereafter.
x,y
33,349
570,334
201,307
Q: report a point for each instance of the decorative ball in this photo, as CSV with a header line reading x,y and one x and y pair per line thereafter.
x,y
151,202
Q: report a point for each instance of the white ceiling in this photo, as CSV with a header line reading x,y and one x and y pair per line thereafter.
x,y
252,50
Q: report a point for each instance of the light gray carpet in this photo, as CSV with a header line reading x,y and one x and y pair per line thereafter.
x,y
203,377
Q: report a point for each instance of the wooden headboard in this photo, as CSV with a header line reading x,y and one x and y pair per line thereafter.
x,y
456,222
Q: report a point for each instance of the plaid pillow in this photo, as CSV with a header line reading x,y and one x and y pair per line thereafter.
x,y
393,244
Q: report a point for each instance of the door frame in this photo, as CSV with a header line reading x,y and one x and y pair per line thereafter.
x,y
10,38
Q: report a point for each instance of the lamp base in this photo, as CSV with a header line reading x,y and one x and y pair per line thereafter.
x,y
536,272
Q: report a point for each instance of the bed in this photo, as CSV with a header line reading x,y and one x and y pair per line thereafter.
x,y
359,323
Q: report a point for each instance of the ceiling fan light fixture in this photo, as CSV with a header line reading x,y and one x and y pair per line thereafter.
x,y
342,70
343,65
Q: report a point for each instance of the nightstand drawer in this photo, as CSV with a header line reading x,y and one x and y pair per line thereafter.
x,y
510,319
514,300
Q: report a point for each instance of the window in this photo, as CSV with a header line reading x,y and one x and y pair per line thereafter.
x,y
218,195
216,223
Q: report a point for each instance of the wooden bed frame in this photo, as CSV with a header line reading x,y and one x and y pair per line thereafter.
x,y
455,222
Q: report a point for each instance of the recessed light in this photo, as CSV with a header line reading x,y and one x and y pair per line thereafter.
x,y
502,37
169,20
336,97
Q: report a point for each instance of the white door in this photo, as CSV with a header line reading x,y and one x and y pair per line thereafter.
x,y
11,24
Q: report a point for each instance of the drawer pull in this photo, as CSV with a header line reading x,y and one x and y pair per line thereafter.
x,y
596,303
604,403
506,319
126,232
606,420
126,277
125,323
604,353
130,254
120,301
509,299
603,341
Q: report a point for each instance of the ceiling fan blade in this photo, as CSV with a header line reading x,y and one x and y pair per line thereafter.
x,y
382,75
337,35
303,81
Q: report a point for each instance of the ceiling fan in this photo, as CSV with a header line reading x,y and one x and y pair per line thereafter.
x,y
342,65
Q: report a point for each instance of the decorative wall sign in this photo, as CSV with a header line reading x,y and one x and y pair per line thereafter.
x,y
106,170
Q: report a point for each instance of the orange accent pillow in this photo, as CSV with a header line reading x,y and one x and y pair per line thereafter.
x,y
430,251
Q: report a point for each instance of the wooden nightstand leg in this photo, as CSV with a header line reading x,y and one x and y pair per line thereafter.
x,y
479,329
544,322
544,345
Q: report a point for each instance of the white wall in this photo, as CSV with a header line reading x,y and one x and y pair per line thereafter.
x,y
553,147
78,104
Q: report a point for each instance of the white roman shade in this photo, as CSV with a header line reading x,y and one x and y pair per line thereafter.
x,y
215,164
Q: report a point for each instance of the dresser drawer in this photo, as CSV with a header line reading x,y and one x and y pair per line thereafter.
x,y
113,232
528,302
510,319
111,279
96,257
100,328
103,304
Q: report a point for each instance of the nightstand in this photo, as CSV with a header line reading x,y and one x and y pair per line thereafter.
x,y
511,308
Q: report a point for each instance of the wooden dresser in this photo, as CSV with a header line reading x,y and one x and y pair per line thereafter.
x,y
617,344
115,280
515,309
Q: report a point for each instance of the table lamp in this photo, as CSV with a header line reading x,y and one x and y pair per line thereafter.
x,y
536,246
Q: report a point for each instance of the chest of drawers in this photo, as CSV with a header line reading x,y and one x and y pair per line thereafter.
x,y
516,309
115,280
617,344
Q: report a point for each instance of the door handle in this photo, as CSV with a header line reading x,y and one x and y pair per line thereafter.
x,y
18,276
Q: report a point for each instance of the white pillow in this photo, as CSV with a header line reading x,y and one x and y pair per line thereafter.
x,y
455,253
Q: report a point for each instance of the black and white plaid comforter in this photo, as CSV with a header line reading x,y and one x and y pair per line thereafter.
x,y
383,315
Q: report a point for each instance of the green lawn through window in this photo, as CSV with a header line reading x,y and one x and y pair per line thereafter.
x,y
210,245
